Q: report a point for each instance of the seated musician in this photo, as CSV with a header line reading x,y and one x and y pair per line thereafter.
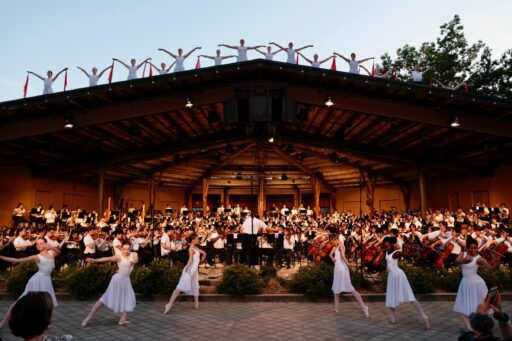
x,y
90,243
36,214
309,212
117,242
184,210
265,249
50,216
217,242
22,244
64,214
237,210
71,249
286,252
294,211
285,210
166,246
18,215
220,210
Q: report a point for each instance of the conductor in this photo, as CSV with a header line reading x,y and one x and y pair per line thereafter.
x,y
250,229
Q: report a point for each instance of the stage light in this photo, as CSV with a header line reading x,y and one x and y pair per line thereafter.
x,y
189,104
69,122
329,102
271,140
239,176
455,122
284,176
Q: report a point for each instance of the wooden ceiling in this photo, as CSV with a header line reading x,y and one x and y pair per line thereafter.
x,y
377,128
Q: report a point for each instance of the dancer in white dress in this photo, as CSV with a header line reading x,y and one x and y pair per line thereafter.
x,y
132,68
164,69
315,62
94,77
189,281
341,282
119,297
416,73
242,50
269,55
398,289
48,82
353,64
472,289
41,280
180,57
291,51
217,58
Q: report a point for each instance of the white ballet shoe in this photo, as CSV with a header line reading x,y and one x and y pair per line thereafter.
x,y
168,307
123,323
366,312
196,306
426,319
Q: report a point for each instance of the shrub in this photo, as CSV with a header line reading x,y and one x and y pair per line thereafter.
x,y
239,280
313,281
90,280
62,278
159,278
448,280
19,276
358,280
421,279
494,278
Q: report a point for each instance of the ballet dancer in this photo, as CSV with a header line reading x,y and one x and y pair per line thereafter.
x,y
94,77
164,70
119,297
472,289
48,82
398,289
189,281
353,64
291,51
180,57
41,280
269,55
416,73
132,68
315,62
376,72
341,282
242,50
217,58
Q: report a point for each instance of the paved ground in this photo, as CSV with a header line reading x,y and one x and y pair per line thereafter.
x,y
254,321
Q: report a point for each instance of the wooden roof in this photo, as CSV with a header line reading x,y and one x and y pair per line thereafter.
x,y
135,129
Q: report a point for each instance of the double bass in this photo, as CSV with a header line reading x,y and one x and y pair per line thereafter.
x,y
447,249
493,255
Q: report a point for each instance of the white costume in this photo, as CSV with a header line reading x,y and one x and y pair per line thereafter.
x,y
93,80
132,72
41,280
353,66
189,281
291,56
218,60
398,289
179,64
341,282
120,296
242,54
48,86
472,289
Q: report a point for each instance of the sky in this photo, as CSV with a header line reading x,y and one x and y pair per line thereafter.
x,y
52,34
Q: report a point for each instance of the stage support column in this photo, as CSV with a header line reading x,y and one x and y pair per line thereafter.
x,y
261,196
333,200
296,196
316,192
205,195
101,185
423,191
226,197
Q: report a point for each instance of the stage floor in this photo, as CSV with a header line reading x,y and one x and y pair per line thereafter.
x,y
254,321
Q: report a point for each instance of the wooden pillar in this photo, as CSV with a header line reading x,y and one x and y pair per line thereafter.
x,y
296,196
205,194
101,185
406,195
261,196
423,191
333,200
369,190
316,192
226,197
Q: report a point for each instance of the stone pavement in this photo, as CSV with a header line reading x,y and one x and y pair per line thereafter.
x,y
254,321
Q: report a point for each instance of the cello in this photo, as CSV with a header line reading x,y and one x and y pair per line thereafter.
x,y
447,249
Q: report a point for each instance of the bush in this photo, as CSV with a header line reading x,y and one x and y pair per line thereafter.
x,y
90,280
494,278
19,276
62,278
159,278
313,281
358,280
239,280
421,279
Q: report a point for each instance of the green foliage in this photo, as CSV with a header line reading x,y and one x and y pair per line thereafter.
x,y
448,280
19,276
494,278
239,280
313,281
62,278
421,280
159,278
90,280
358,280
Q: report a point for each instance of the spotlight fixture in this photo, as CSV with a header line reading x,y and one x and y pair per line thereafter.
x,y
188,104
271,140
284,176
329,102
69,122
238,176
455,122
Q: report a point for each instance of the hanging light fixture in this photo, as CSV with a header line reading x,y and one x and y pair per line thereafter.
x,y
455,122
188,104
271,139
329,102
69,122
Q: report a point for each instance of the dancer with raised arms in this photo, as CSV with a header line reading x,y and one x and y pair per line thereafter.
x,y
353,64
164,69
291,51
94,77
315,62
217,58
48,82
269,55
133,67
242,50
180,57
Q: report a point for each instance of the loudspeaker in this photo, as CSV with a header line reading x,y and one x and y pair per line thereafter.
x,y
231,111
289,110
260,109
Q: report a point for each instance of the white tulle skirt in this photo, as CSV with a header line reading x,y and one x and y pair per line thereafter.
x,y
341,282
398,289
119,296
41,282
472,291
